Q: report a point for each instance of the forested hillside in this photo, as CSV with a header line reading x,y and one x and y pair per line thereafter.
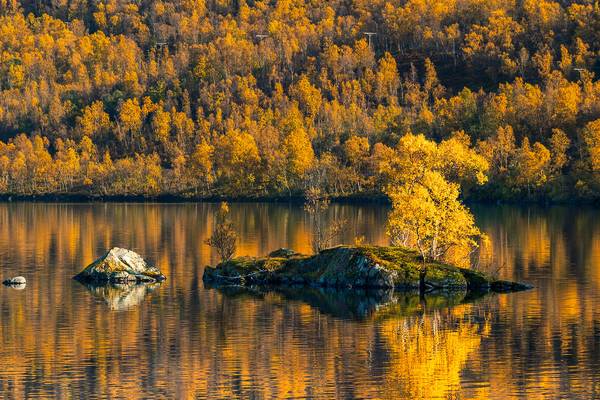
x,y
267,98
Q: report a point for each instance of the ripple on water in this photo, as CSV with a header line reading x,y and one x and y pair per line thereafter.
x,y
58,339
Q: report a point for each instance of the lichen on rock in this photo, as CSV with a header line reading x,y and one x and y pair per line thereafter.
x,y
120,266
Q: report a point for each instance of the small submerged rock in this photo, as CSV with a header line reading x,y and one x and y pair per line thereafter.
x,y
120,266
18,282
507,286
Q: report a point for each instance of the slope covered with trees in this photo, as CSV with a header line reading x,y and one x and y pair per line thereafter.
x,y
267,98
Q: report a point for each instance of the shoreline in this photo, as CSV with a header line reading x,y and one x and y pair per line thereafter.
x,y
295,199
171,198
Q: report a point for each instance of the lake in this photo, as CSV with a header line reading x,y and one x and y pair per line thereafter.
x,y
181,340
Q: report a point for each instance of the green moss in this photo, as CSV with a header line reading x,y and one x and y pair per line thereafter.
x,y
396,258
392,257
438,275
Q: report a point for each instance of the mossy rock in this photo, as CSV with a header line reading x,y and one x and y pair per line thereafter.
x,y
371,267
441,276
283,253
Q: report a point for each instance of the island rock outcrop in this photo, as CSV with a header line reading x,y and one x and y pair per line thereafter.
x,y
120,266
378,267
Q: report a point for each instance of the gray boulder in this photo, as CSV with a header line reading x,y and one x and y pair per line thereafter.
x,y
120,266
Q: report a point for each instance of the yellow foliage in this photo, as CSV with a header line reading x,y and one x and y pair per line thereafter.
x,y
201,161
307,95
130,115
161,77
591,137
532,164
453,158
161,122
427,215
94,120
426,212
357,149
559,144
299,152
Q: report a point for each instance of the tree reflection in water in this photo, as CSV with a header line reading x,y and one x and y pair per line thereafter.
x,y
186,341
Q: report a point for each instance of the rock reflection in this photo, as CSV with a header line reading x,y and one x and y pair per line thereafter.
x,y
15,286
122,296
358,304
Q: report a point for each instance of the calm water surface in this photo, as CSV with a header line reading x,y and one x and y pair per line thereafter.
x,y
182,340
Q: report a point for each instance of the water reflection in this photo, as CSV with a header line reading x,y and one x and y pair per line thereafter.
x,y
184,341
122,296
15,286
357,304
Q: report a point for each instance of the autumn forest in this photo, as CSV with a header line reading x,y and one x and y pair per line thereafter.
x,y
196,98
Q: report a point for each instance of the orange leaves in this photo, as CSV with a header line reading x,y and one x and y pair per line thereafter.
x,y
299,152
161,124
532,165
277,94
424,186
308,96
591,137
238,159
202,160
130,115
357,149
94,120
387,80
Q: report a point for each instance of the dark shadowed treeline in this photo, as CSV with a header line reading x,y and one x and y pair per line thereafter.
x,y
259,98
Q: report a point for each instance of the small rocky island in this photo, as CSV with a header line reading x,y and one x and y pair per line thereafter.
x,y
367,267
18,282
119,266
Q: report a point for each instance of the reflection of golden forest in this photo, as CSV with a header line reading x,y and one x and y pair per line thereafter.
x,y
184,342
